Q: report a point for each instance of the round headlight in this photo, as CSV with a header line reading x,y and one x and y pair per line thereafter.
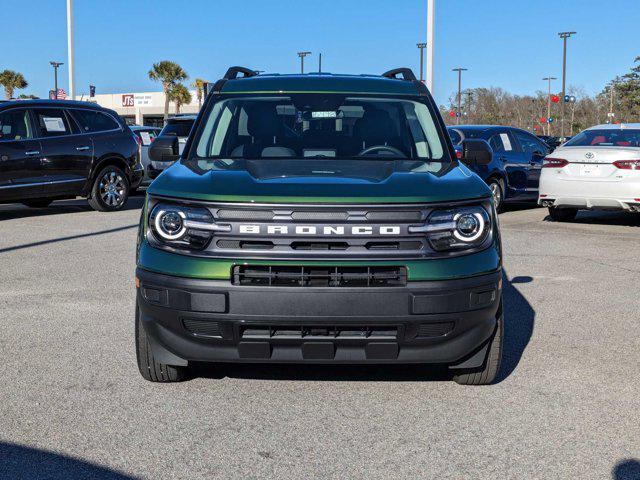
x,y
469,226
170,224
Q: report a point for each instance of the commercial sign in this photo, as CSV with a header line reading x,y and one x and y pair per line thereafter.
x,y
127,100
132,100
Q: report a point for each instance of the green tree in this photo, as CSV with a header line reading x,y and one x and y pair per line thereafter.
x,y
198,84
169,74
179,94
11,80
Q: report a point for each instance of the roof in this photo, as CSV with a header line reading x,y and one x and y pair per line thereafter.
x,y
320,83
51,103
182,118
613,126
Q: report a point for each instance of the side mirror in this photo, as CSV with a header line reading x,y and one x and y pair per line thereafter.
x,y
164,149
476,152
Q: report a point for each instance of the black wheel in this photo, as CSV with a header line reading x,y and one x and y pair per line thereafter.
x,y
37,203
488,373
110,190
497,190
151,369
562,214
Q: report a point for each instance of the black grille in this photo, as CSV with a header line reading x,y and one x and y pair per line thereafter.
x,y
305,276
203,328
228,214
318,332
429,330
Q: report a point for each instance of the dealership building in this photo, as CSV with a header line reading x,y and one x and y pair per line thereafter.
x,y
146,108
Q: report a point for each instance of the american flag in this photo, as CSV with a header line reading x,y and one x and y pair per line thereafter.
x,y
62,95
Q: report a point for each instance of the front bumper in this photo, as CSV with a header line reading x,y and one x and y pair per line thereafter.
x,y
439,322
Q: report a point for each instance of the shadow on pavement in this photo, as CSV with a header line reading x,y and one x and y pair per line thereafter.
x,y
626,470
64,239
14,211
17,461
587,217
519,321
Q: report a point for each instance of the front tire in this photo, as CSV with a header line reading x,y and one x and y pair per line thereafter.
x,y
110,190
37,203
149,367
497,190
562,214
488,373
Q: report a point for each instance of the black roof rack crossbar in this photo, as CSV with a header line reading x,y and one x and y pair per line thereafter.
x,y
406,73
233,72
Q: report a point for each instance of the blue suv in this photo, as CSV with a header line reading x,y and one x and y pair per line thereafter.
x,y
514,173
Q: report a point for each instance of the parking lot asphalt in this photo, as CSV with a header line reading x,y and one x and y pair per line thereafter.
x,y
73,405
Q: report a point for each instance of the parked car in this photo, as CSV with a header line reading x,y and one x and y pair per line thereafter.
x,y
598,169
178,126
145,135
319,218
53,149
514,173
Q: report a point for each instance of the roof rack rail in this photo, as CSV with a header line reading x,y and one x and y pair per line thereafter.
x,y
233,72
407,74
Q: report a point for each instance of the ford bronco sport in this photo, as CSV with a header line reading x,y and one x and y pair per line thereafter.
x,y
319,218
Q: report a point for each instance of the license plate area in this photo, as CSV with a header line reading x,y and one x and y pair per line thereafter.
x,y
590,170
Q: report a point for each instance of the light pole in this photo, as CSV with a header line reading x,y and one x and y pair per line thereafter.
x,y
431,21
613,87
72,90
549,103
302,55
469,95
564,36
421,46
459,70
55,66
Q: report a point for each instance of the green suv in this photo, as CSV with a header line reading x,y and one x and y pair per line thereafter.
x,y
319,218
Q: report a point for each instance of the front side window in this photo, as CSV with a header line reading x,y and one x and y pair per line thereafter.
x,y
52,122
321,127
618,137
179,129
529,143
91,121
15,125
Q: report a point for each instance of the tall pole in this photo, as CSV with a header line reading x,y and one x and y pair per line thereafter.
x,y
302,55
549,103
320,63
613,86
564,36
55,66
72,82
421,46
459,113
469,95
431,20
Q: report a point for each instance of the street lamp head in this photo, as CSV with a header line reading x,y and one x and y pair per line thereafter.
x,y
56,64
459,69
421,45
566,34
303,54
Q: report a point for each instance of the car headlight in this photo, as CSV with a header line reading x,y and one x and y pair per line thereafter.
x,y
182,226
456,229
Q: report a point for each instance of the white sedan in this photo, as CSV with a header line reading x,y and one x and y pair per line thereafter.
x,y
598,169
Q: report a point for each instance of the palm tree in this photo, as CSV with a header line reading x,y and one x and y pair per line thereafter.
x,y
169,74
180,95
11,80
198,84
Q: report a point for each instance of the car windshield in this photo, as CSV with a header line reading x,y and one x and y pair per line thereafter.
x,y
178,128
332,127
618,137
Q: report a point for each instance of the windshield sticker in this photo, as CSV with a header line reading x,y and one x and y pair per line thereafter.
x,y
54,124
505,141
146,138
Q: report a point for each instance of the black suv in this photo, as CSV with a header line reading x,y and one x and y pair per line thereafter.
x,y
52,149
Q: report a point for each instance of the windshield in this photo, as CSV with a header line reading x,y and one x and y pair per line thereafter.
x,y
617,137
319,126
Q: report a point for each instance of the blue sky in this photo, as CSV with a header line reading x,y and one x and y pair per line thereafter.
x,y
512,44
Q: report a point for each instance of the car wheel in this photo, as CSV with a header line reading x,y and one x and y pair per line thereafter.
x,y
497,190
149,367
488,373
562,214
38,203
110,190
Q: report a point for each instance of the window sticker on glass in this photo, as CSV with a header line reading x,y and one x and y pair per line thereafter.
x,y
146,138
505,141
323,115
53,124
